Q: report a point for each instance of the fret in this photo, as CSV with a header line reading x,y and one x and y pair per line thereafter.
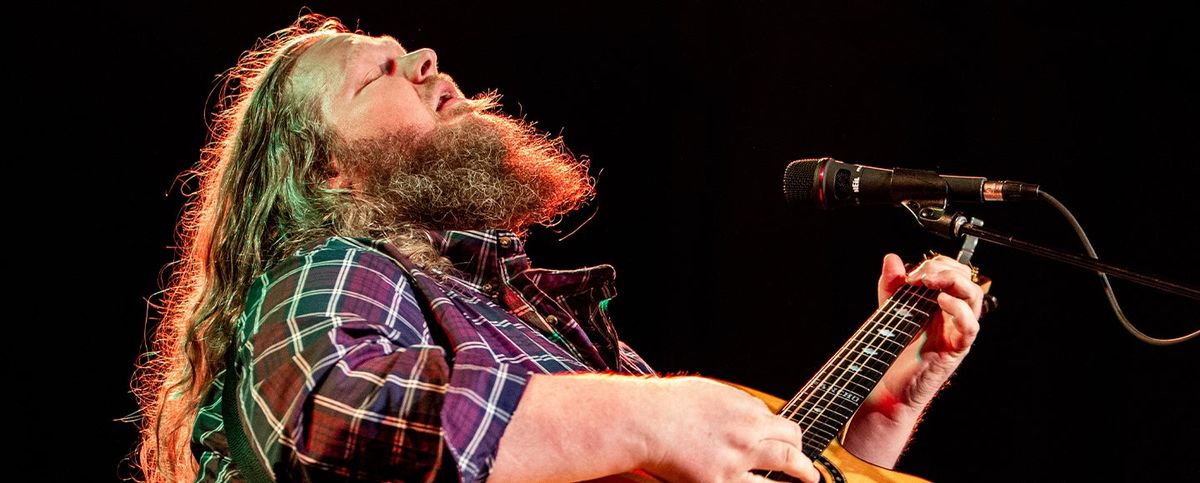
x,y
877,363
820,429
903,313
864,367
907,310
874,357
828,430
880,332
830,399
902,318
820,439
889,334
833,422
863,358
818,409
814,447
843,393
820,435
842,378
927,299
831,410
857,368
870,351
800,411
901,307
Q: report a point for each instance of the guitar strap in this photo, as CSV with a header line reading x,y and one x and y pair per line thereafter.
x,y
251,468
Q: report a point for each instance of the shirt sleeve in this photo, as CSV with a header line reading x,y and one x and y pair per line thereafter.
x,y
632,363
347,382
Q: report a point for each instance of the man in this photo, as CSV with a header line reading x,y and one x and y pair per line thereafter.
x,y
358,241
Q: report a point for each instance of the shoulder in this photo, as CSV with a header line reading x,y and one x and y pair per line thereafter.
x,y
337,252
333,281
337,265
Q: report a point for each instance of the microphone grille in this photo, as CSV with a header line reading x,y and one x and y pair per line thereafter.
x,y
798,179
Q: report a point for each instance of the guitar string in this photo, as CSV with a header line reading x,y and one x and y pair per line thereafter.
x,y
823,376
888,320
879,320
859,338
836,382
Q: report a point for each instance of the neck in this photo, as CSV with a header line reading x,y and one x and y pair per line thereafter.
x,y
826,403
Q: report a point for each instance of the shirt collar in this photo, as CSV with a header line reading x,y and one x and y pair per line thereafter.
x,y
482,256
494,262
497,256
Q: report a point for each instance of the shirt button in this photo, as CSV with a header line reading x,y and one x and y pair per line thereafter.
x,y
487,287
505,241
550,319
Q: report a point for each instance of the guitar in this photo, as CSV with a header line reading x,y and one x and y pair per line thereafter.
x,y
826,403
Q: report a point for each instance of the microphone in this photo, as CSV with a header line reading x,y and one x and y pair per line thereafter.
x,y
831,184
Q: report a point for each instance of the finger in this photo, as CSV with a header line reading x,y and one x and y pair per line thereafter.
x,y
942,262
891,276
946,259
776,455
783,429
965,321
752,478
957,285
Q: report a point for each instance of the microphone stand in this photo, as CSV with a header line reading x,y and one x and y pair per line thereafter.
x,y
932,216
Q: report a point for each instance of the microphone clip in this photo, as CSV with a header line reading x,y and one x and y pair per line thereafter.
x,y
932,216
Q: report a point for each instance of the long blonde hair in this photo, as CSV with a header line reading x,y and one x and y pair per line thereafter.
x,y
263,194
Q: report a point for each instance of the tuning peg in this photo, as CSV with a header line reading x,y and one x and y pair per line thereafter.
x,y
990,303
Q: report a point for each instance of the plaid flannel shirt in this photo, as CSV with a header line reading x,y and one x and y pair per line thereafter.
x,y
344,377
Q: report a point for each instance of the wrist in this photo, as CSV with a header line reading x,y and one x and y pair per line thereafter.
x,y
655,402
633,405
885,406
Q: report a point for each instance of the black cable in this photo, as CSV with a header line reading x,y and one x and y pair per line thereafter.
x,y
1108,290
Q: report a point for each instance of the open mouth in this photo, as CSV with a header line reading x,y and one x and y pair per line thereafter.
x,y
443,100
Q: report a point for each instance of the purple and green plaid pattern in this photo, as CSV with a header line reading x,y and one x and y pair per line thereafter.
x,y
343,375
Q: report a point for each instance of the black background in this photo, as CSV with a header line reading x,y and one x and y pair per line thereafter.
x,y
689,114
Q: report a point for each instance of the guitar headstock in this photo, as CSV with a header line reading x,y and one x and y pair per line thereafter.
x,y
990,302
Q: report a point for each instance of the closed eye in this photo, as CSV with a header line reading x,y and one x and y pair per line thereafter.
x,y
386,68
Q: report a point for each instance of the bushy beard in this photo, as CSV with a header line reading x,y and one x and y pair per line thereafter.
x,y
485,170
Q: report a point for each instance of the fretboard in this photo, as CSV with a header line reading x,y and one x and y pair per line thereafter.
x,y
832,396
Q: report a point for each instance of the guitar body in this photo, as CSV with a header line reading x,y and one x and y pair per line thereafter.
x,y
835,464
838,465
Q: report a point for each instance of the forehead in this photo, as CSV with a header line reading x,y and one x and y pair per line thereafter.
x,y
328,63
339,49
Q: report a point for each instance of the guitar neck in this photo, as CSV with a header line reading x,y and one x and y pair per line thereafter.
x,y
826,403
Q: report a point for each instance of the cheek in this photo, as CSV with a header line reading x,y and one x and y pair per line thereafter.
x,y
373,115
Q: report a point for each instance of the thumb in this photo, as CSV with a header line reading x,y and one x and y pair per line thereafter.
x,y
892,276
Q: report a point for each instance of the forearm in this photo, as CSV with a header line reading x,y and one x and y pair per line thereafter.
x,y
575,427
883,426
880,430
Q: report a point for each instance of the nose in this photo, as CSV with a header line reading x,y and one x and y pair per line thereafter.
x,y
419,65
